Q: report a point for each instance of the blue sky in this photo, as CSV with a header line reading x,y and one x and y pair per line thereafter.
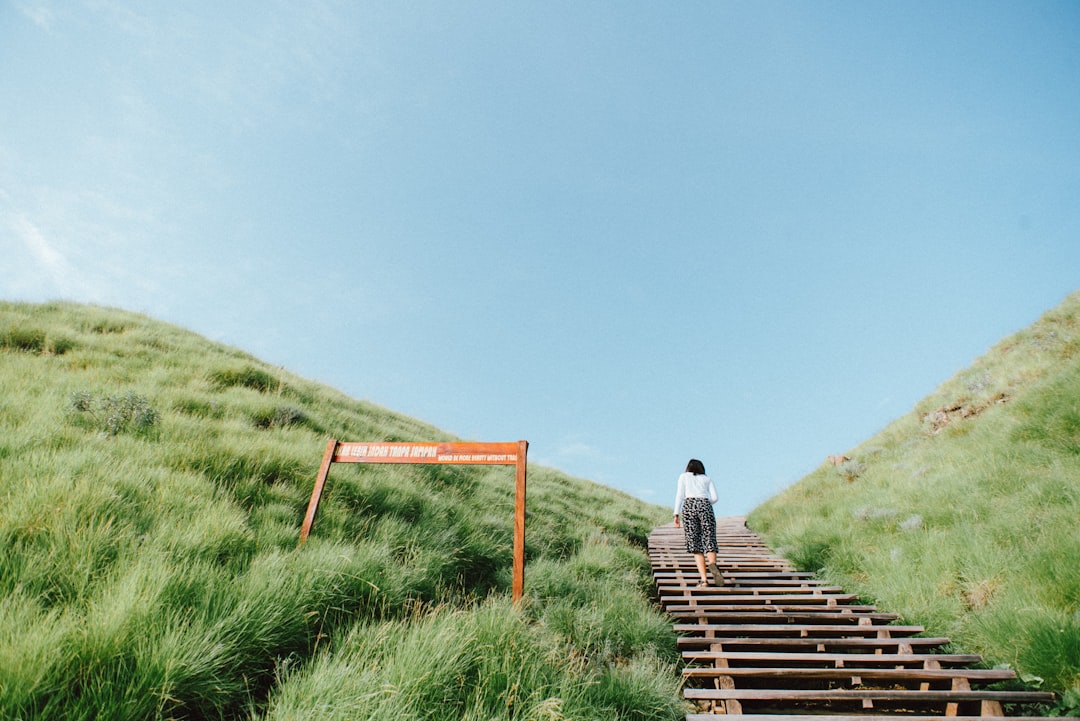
x,y
631,233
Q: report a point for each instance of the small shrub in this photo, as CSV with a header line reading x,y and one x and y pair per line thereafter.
x,y
199,408
850,470
912,523
245,377
978,383
30,340
33,340
60,346
105,326
280,417
114,414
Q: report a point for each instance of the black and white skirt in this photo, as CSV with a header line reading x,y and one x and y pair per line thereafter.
x,y
699,526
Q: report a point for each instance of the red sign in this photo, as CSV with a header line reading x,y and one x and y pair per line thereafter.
x,y
453,453
503,454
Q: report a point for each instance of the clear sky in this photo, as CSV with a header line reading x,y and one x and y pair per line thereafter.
x,y
629,232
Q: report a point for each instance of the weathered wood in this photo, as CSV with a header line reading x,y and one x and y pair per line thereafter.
x,y
787,608
808,630
517,589
906,696
874,717
781,617
428,453
316,491
892,675
807,644
773,639
706,597
795,659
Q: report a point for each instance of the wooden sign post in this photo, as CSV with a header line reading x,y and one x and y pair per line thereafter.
x,y
502,454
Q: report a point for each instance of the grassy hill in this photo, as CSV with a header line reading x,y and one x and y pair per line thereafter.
x,y
152,487
964,514
153,484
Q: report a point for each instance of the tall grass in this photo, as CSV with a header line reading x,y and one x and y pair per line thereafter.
x,y
150,569
488,662
964,515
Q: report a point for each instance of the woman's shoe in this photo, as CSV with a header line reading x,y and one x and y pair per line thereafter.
x,y
717,578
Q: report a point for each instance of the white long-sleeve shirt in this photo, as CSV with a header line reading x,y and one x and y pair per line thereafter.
x,y
694,486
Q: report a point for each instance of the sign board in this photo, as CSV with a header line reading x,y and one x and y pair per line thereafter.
x,y
503,454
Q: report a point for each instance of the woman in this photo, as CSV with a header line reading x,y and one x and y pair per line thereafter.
x,y
694,501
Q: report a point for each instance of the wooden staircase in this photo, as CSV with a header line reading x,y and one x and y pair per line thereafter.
x,y
775,642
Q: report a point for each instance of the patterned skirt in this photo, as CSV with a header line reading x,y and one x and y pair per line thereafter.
x,y
699,526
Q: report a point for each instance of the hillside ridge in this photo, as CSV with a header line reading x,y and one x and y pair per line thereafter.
x,y
154,483
975,494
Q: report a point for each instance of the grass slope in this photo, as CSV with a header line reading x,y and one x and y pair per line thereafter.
x,y
964,515
152,486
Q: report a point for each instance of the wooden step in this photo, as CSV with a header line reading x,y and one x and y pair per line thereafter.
x,y
872,717
782,617
844,609
778,643
809,645
807,630
880,699
763,583
892,675
847,660
706,598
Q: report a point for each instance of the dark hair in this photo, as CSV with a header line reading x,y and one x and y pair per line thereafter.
x,y
696,467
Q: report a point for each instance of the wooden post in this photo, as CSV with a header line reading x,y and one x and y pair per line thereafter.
x,y
316,493
519,524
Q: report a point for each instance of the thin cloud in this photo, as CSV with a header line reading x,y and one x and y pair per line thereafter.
x,y
577,449
69,245
39,13
39,265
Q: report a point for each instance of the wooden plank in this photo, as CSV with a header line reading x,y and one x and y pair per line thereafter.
x,y
520,460
893,675
726,587
317,490
695,610
864,717
689,568
906,695
735,575
761,577
791,608
786,618
738,573
706,598
456,453
782,617
847,659
774,628
810,644
427,453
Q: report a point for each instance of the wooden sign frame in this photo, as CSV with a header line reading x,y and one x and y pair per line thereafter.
x,y
502,454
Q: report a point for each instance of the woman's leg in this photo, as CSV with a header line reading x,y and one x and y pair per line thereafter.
x,y
710,545
695,520
717,579
699,561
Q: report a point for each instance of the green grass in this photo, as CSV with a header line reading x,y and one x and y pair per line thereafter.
x,y
493,661
964,514
152,486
